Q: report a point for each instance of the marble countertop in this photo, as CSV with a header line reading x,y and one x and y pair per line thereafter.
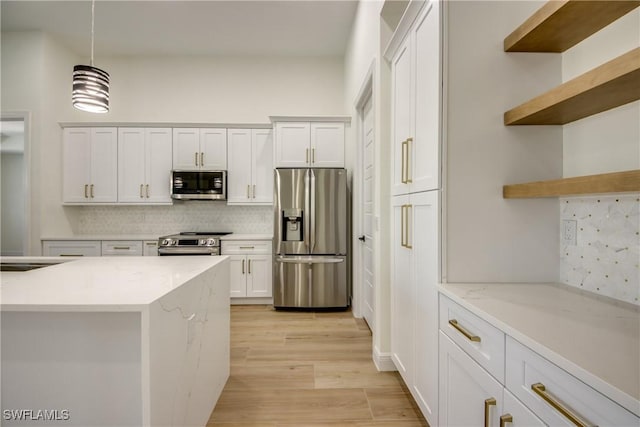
x,y
100,283
593,338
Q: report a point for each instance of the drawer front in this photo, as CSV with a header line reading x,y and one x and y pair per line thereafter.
x,y
248,247
150,248
519,414
482,341
72,248
122,248
525,368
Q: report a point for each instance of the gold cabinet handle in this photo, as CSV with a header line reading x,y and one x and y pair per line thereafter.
x,y
313,155
247,247
488,403
121,248
196,158
409,180
254,191
403,153
242,266
406,227
506,418
201,159
91,190
559,406
141,196
463,331
307,156
71,255
86,187
249,266
147,191
248,191
402,208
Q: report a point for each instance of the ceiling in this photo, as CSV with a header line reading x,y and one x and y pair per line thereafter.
x,y
148,27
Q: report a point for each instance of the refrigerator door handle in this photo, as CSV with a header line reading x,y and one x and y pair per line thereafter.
x,y
309,259
307,210
312,233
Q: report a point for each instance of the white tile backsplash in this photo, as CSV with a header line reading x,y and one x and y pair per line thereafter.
x,y
183,216
606,257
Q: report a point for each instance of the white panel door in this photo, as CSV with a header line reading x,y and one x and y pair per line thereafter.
x,y
327,145
158,165
104,165
424,232
131,165
424,150
292,148
367,179
262,166
402,293
259,275
213,149
466,389
186,149
238,275
401,93
239,166
76,148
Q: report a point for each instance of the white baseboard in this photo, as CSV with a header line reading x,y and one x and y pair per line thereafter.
x,y
383,360
251,301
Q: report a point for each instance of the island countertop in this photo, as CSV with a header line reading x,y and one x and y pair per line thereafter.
x,y
103,284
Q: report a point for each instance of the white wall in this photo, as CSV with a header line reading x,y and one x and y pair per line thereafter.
x,y
12,202
36,77
488,238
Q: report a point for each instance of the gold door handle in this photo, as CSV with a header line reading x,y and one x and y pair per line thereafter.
x,y
313,155
402,225
463,331
249,266
488,403
242,266
91,190
86,187
409,180
196,158
403,155
141,196
559,406
254,191
247,247
147,190
121,248
506,418
201,159
307,156
407,225
248,191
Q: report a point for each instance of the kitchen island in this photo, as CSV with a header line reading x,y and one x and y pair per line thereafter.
x,y
115,341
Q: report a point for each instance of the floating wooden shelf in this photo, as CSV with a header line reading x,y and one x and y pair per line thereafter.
x,y
610,85
617,182
559,25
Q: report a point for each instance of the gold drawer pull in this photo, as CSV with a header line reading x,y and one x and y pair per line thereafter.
x,y
506,418
463,331
247,247
71,255
488,403
559,406
121,248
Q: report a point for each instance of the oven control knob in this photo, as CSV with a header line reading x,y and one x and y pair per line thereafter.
x,y
174,242
210,242
165,242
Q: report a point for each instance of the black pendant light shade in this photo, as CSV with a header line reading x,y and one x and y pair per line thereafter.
x,y
90,89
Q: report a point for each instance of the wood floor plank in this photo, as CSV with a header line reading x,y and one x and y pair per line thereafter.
x,y
353,375
394,423
252,377
392,403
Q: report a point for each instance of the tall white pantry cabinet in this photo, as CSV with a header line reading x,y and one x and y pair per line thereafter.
x,y
415,57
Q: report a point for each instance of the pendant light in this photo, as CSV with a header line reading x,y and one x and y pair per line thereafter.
x,y
90,84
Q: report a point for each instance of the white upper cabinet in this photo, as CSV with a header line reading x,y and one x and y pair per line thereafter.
x,y
250,173
416,106
199,149
144,165
315,144
90,165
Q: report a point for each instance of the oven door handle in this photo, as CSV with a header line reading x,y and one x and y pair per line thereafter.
x,y
188,251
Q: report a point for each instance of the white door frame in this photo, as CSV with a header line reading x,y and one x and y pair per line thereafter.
x,y
25,116
364,94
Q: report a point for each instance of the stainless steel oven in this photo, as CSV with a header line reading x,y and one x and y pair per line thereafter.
x,y
199,185
191,243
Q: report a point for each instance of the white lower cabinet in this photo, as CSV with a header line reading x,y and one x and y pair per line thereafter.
x,y
150,248
517,414
71,248
251,266
121,248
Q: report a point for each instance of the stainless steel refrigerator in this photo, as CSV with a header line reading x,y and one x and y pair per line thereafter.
x,y
311,239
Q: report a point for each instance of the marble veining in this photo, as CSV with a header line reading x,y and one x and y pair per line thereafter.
x,y
606,257
182,216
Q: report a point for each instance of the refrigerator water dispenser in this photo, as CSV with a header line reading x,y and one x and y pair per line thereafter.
x,y
292,225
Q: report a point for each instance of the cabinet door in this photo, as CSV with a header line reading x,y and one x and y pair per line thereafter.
x,y
238,275
158,165
259,275
465,388
402,293
401,90
186,149
76,149
423,237
103,187
424,150
327,145
71,248
131,160
239,172
213,149
150,248
262,166
292,148
519,414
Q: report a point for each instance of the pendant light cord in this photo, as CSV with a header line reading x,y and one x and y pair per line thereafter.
x,y
93,9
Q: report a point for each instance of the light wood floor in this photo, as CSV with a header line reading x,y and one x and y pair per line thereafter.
x,y
307,369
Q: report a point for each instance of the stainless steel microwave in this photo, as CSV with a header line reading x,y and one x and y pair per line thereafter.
x,y
198,185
